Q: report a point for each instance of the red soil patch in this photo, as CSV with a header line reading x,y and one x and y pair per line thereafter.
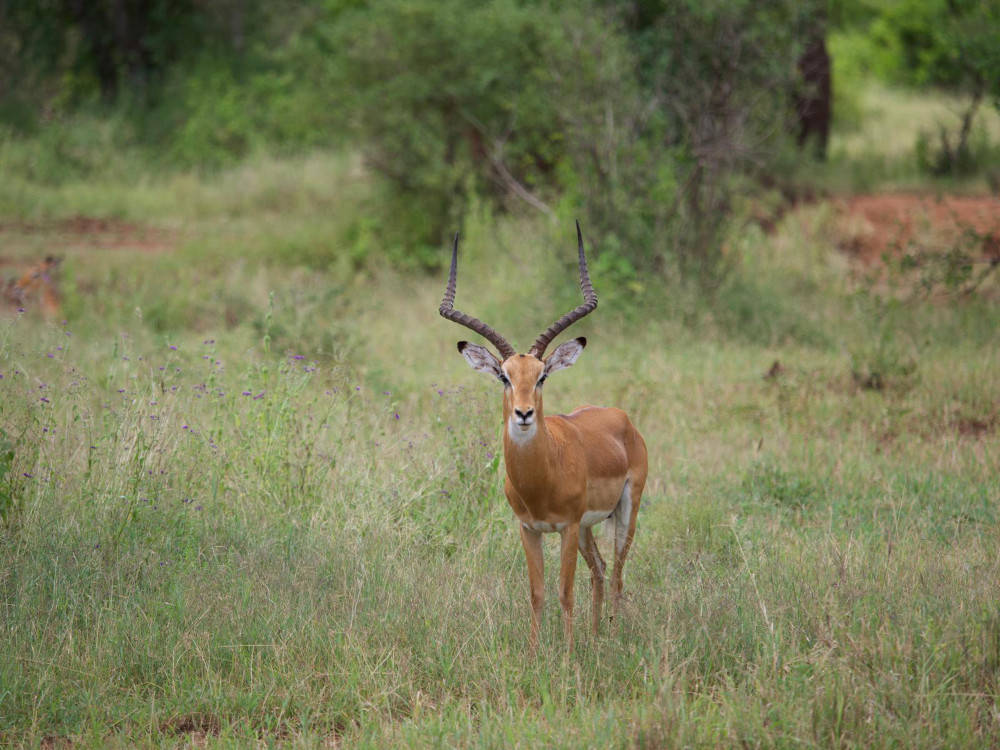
x,y
87,232
873,226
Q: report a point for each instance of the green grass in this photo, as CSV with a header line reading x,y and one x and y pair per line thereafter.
x,y
886,139
893,121
329,560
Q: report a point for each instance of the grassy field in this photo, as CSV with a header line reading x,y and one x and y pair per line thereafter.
x,y
250,493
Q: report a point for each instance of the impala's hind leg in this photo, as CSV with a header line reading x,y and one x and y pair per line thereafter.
x,y
625,514
588,548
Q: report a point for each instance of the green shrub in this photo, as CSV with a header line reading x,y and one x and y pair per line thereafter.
x,y
448,100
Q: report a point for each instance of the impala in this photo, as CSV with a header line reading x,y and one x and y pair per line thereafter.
x,y
567,472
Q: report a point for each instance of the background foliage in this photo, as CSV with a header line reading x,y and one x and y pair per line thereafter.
x,y
651,121
249,493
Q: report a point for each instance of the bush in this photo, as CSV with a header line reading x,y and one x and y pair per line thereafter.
x,y
945,43
449,99
643,121
643,125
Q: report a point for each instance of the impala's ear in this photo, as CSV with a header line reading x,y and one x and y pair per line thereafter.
x,y
480,358
564,355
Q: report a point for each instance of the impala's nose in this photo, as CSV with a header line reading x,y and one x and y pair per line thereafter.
x,y
524,417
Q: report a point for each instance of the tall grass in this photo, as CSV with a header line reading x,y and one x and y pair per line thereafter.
x,y
257,500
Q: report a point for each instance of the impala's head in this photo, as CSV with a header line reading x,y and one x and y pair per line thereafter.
x,y
522,375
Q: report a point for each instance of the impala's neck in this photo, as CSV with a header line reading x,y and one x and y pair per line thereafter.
x,y
527,453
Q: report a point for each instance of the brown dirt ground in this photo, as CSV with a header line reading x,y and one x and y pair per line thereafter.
x,y
90,233
869,227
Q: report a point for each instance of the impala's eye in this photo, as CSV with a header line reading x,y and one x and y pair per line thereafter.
x,y
503,379
541,380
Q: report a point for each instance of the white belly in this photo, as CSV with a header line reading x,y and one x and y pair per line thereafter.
x,y
542,527
590,518
594,517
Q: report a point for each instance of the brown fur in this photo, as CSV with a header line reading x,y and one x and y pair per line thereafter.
x,y
35,285
575,463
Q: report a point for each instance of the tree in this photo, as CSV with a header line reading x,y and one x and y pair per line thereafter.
x,y
951,44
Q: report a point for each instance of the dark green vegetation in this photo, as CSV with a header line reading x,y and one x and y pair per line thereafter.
x,y
660,126
250,494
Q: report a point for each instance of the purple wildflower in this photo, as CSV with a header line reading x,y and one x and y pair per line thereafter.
x,y
172,348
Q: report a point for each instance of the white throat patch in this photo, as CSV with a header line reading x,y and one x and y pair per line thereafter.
x,y
519,436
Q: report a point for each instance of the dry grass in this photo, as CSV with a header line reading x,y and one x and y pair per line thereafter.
x,y
245,547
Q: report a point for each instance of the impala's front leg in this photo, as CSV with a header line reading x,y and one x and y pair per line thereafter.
x,y
567,572
532,542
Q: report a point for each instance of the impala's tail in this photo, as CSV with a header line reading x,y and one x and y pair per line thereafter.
x,y
617,524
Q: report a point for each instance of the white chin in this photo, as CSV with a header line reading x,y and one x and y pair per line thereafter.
x,y
520,433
